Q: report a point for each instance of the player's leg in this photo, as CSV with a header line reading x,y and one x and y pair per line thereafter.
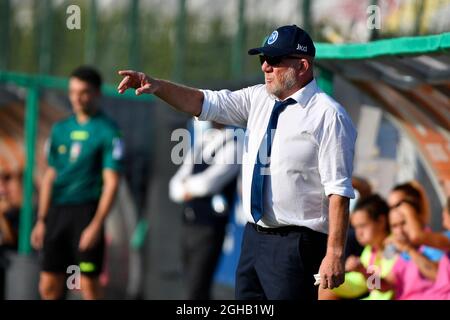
x,y
90,261
91,265
91,288
55,255
51,285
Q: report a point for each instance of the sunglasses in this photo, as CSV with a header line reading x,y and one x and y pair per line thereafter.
x,y
273,61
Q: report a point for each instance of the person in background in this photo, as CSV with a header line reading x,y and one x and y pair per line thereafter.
x,y
370,221
10,205
411,200
417,273
206,186
77,190
363,189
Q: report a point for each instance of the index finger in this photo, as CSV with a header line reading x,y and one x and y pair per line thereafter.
x,y
123,83
127,72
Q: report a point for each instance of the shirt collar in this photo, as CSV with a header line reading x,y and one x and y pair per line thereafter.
x,y
303,95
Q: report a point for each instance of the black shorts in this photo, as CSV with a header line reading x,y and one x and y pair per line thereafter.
x,y
64,226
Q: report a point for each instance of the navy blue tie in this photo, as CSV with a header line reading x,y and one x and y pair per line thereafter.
x,y
257,192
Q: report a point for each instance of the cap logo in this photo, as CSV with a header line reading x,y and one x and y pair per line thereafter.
x,y
273,37
302,48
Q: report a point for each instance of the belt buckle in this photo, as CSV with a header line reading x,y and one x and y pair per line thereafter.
x,y
265,230
260,229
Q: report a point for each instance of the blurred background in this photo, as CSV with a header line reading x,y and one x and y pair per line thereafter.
x,y
187,39
397,93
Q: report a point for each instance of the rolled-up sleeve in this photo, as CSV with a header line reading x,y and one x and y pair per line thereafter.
x,y
336,153
225,106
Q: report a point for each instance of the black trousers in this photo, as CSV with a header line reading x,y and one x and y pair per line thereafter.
x,y
279,264
201,249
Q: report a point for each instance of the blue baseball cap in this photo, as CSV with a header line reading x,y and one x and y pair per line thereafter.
x,y
286,40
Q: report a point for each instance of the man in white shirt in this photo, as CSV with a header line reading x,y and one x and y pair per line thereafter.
x,y
206,186
296,172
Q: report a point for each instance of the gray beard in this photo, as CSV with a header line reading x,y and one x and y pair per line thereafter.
x,y
288,81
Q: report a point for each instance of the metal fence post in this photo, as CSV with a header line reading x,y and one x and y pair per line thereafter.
x,y
26,214
5,13
180,42
238,53
45,37
91,34
133,27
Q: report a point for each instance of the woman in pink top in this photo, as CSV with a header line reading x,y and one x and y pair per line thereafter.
x,y
412,201
421,272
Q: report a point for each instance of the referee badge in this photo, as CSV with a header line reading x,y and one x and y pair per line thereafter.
x,y
117,151
75,151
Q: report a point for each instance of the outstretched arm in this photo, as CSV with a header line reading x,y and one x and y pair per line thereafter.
x,y
182,98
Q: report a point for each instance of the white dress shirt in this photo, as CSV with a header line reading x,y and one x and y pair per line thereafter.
x,y
312,151
223,166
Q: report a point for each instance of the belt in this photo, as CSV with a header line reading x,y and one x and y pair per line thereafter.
x,y
280,230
